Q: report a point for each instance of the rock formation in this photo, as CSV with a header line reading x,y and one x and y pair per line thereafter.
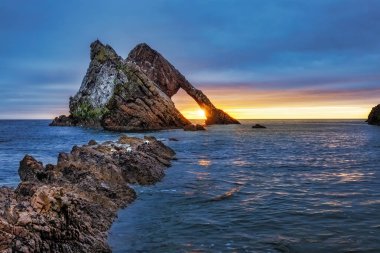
x,y
374,116
170,80
133,94
69,207
118,96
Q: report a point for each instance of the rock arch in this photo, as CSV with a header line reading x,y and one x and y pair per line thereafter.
x,y
133,94
170,80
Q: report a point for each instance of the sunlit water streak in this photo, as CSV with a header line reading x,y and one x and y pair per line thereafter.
x,y
297,186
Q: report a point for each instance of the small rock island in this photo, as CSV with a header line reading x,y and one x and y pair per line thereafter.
x,y
69,207
133,94
374,116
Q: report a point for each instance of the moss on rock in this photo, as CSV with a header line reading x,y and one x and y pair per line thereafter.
x,y
86,111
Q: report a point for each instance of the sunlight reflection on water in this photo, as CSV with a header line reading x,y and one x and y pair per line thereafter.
x,y
204,162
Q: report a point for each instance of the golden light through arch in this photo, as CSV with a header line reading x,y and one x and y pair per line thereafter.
x,y
201,114
246,103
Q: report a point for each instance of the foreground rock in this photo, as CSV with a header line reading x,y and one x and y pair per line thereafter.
x,y
69,207
374,116
133,94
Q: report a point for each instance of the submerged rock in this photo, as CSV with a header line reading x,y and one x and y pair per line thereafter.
x,y
258,126
374,116
69,207
133,94
194,127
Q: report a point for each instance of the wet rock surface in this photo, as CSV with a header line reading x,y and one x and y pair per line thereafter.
x,y
133,94
374,116
69,207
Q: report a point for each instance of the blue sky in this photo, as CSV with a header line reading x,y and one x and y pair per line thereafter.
x,y
262,47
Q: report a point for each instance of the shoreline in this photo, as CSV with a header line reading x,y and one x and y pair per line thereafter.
x,y
70,207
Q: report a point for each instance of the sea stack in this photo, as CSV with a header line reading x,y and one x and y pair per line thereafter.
x,y
133,94
374,116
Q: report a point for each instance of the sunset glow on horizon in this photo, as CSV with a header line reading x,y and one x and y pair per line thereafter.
x,y
254,104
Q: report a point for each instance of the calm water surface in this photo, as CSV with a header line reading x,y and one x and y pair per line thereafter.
x,y
297,186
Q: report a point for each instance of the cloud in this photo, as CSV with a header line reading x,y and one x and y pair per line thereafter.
x,y
280,44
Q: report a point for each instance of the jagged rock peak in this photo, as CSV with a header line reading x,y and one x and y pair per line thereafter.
x,y
156,67
143,50
102,52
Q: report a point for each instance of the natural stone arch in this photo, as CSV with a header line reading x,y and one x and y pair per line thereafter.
x,y
133,94
170,80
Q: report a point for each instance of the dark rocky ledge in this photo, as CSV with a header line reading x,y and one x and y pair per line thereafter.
x,y
69,207
374,116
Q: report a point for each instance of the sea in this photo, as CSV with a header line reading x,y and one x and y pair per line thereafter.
x,y
299,186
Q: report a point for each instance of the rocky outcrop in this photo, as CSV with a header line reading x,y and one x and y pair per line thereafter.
x,y
64,120
118,96
133,94
374,116
69,207
138,104
170,80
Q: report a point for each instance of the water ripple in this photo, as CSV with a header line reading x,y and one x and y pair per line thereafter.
x,y
302,186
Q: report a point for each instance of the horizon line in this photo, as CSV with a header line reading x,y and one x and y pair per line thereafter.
x,y
237,119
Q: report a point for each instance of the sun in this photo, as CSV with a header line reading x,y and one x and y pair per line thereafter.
x,y
201,114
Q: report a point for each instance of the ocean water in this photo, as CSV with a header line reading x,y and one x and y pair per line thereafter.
x,y
297,186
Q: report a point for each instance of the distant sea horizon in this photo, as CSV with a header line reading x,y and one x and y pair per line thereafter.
x,y
236,118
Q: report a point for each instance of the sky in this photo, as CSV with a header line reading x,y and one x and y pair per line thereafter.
x,y
253,59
